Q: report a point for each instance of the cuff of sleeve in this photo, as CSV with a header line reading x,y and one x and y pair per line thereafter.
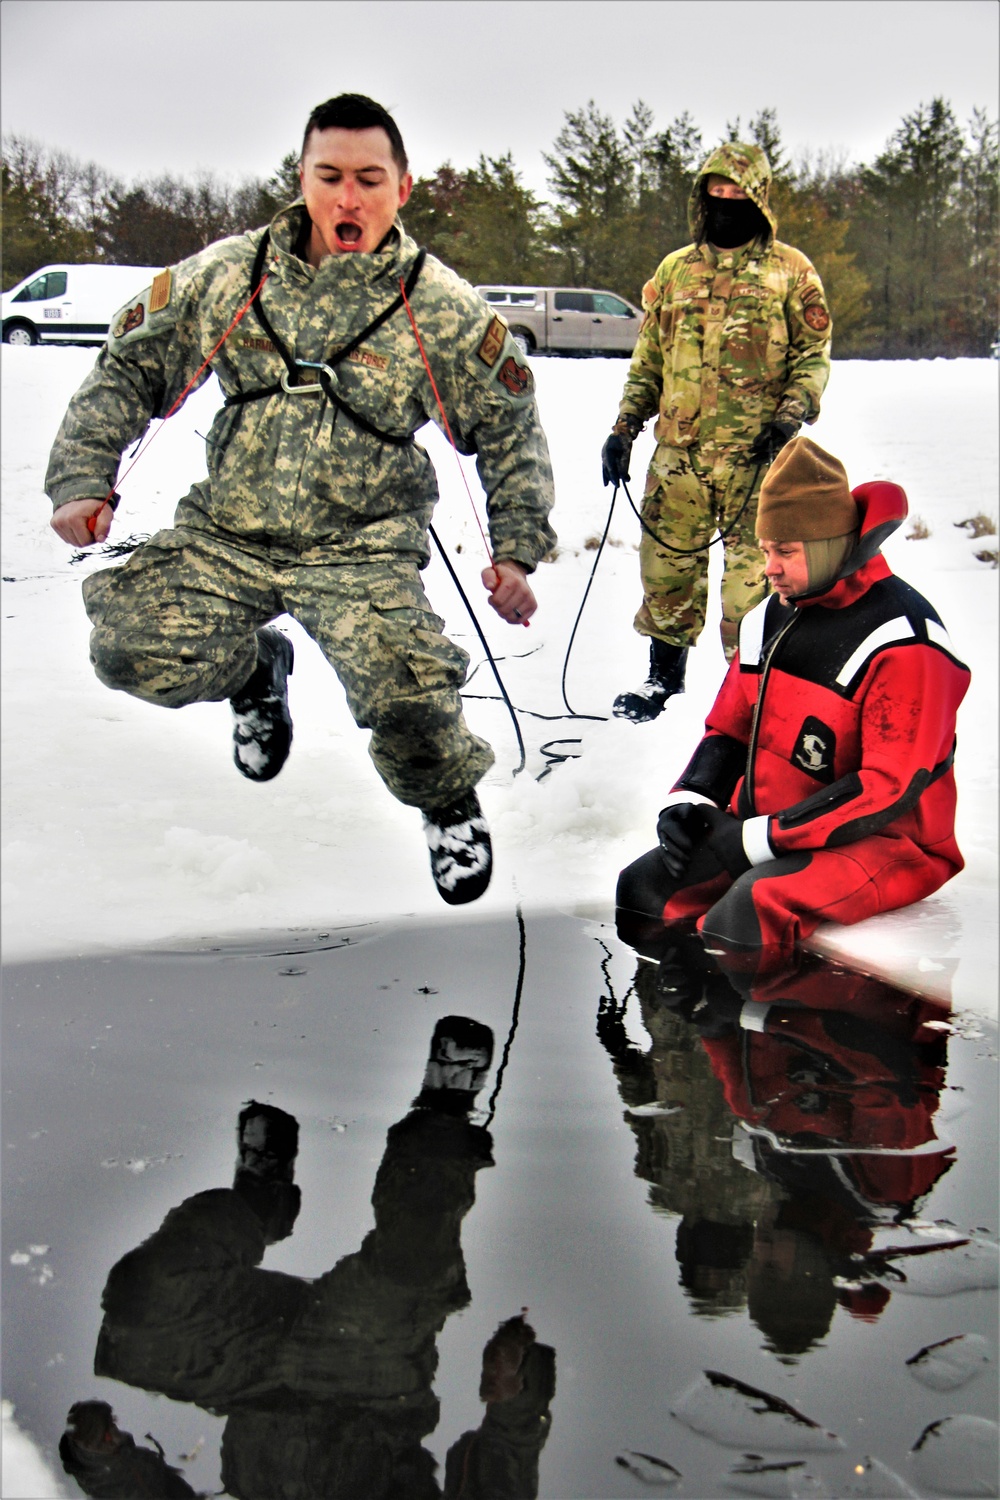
x,y
680,795
756,844
523,561
792,410
81,490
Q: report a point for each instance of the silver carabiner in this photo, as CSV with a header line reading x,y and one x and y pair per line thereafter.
x,y
307,390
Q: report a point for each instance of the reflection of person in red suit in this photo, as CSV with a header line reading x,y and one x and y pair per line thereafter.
x,y
823,788
835,1079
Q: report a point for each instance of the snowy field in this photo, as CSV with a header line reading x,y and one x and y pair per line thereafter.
x,y
127,825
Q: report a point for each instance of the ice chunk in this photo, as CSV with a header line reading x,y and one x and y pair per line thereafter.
x,y
874,1481
741,1416
950,1363
648,1468
970,1265
778,1481
958,1456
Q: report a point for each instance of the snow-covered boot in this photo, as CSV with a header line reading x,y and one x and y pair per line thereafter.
x,y
461,852
262,725
667,665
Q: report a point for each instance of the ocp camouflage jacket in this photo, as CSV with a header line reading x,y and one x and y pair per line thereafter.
x,y
293,470
732,339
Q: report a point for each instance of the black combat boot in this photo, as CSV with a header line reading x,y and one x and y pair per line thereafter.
x,y
262,725
460,1056
667,665
461,852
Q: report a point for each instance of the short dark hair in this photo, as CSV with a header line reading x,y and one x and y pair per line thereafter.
x,y
357,112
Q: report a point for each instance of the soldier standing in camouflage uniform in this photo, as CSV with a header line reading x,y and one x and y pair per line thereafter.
x,y
734,354
317,500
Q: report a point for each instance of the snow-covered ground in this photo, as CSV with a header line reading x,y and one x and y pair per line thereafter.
x,y
125,824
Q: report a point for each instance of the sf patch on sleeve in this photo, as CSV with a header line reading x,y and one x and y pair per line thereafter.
x,y
489,349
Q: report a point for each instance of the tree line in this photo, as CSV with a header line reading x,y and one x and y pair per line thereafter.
x,y
906,244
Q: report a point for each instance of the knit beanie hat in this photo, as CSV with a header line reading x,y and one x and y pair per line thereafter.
x,y
805,496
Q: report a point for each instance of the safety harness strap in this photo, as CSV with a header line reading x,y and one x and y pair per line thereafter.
x,y
294,368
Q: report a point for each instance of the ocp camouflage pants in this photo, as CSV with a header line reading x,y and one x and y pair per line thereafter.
x,y
690,493
175,625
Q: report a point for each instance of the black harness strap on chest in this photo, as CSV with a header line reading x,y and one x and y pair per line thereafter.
x,y
259,392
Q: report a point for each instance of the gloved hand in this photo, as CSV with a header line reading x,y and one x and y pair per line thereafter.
x,y
770,440
617,450
725,839
679,829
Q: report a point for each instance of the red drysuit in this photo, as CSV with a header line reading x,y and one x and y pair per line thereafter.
x,y
832,741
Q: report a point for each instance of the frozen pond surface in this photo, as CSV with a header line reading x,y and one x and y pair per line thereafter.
x,y
753,1227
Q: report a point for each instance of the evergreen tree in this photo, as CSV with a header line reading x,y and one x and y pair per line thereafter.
x,y
978,196
37,198
593,179
909,236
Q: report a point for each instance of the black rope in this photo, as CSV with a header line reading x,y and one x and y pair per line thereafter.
x,y
679,551
600,718
693,551
558,757
491,1108
483,642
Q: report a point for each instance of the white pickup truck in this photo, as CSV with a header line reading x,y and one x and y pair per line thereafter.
x,y
566,319
69,304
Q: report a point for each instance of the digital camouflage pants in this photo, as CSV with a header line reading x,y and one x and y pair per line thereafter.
x,y
690,493
175,625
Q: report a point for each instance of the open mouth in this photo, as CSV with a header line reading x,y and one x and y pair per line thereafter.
x,y
348,234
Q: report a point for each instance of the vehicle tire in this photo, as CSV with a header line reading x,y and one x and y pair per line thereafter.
x,y
523,339
23,334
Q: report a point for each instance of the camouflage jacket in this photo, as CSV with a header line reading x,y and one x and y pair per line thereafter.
x,y
731,339
292,470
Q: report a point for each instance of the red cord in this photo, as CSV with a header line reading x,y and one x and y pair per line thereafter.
x,y
92,520
444,416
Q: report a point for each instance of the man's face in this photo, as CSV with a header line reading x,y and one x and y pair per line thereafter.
x,y
353,190
786,568
723,187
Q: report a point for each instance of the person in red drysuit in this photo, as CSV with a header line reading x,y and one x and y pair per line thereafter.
x,y
823,788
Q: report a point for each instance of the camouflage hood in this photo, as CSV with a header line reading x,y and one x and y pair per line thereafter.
x,y
746,165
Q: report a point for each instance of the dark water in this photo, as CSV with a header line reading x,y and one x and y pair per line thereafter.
x,y
726,1207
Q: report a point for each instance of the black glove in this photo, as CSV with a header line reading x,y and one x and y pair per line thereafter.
x,y
725,839
679,829
770,440
617,450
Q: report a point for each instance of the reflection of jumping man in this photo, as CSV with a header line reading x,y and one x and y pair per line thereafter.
x,y
326,1385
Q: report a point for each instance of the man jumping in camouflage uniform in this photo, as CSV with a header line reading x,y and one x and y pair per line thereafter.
x,y
317,500
734,354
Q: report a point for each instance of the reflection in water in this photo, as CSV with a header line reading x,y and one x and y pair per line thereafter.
x,y
834,1081
326,1385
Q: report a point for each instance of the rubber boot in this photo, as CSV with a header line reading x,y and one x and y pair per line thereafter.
x,y
667,665
262,725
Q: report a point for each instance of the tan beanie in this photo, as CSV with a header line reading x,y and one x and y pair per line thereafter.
x,y
805,496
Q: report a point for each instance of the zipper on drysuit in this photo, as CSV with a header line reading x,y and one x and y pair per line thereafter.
x,y
755,723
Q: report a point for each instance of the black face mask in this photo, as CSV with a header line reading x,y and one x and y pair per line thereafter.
x,y
732,222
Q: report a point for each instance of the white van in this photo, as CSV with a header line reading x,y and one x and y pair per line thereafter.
x,y
70,304
566,319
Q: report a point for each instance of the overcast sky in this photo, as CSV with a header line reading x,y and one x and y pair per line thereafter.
x,y
149,86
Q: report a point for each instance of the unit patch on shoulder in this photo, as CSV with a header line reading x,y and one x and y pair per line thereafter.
x,y
129,320
159,292
517,378
815,749
817,317
489,349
